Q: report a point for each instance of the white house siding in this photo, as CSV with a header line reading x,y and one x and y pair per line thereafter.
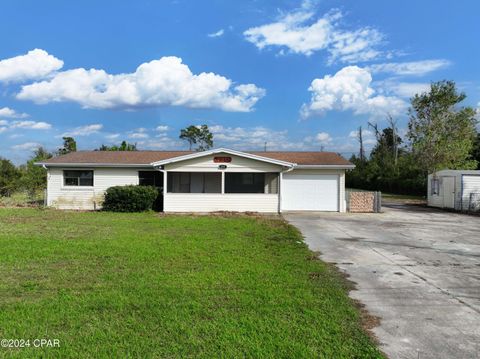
x,y
87,198
211,202
341,182
238,164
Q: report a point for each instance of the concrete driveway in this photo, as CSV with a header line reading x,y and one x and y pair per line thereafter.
x,y
417,269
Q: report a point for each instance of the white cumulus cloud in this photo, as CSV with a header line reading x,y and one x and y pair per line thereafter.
x,y
218,33
34,65
83,130
27,146
350,90
409,89
163,82
410,68
31,125
323,137
302,32
112,136
254,138
11,113
25,125
162,128
139,133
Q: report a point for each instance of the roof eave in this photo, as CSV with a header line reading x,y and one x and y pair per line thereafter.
x,y
222,150
47,164
333,167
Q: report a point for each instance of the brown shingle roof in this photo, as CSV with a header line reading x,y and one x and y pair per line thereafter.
x,y
147,157
306,158
116,157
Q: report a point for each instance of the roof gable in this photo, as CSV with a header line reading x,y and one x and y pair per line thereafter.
x,y
226,151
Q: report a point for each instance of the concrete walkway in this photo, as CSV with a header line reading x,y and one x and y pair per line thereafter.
x,y
417,269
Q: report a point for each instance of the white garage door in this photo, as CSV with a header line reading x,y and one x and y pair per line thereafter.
x,y
310,192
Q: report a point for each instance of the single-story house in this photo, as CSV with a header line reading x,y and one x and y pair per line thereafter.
x,y
456,189
213,180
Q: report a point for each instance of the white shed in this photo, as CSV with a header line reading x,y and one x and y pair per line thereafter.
x,y
455,189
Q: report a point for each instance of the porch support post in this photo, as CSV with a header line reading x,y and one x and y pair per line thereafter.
x,y
223,182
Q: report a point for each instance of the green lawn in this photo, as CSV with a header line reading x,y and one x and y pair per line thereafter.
x,y
402,197
143,285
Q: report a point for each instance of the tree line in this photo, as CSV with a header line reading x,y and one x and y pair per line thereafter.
x,y
32,179
441,134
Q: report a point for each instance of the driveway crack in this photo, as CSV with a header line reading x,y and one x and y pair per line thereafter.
x,y
426,281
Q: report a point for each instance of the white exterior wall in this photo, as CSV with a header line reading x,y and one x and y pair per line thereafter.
x,y
82,197
238,164
341,183
211,202
462,188
470,184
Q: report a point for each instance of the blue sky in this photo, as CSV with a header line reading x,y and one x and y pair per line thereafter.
x,y
297,75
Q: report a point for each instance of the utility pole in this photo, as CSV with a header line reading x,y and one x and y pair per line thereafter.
x,y
265,147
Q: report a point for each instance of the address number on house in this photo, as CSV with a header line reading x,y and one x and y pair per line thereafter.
x,y
220,159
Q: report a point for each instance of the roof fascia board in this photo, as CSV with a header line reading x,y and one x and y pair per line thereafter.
x,y
76,164
324,167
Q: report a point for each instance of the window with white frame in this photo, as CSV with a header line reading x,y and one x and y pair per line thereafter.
x,y
78,178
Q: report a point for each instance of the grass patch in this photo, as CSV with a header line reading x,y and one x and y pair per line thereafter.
x,y
22,199
393,197
141,285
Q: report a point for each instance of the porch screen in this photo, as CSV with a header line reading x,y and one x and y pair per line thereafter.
x,y
244,182
194,182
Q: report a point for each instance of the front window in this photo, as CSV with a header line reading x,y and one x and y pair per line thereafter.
x,y
150,178
78,178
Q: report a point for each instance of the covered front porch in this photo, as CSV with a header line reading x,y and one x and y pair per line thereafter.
x,y
221,191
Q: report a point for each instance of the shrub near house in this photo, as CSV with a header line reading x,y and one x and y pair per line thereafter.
x,y
130,198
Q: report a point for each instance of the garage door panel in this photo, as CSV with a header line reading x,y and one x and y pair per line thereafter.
x,y
310,192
